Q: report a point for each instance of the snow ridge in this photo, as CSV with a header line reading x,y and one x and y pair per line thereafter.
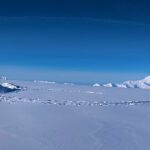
x,y
142,84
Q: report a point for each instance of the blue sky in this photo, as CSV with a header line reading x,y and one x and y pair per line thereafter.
x,y
84,43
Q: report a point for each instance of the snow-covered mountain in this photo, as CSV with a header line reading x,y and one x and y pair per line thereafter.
x,y
143,84
97,84
8,87
109,85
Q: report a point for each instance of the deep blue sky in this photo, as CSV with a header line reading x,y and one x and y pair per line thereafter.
x,y
86,41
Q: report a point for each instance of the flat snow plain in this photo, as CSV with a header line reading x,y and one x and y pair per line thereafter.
x,y
48,116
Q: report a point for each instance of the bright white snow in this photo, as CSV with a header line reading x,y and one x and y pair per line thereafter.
x,y
64,117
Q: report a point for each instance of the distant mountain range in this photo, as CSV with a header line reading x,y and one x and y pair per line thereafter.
x,y
143,84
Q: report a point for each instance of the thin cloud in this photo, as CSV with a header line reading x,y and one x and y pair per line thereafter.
x,y
5,20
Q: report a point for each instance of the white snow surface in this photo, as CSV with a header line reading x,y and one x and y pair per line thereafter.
x,y
64,117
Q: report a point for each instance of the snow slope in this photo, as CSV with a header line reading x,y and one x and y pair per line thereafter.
x,y
43,116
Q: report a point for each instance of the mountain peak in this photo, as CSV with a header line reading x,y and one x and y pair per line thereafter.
x,y
147,79
142,84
